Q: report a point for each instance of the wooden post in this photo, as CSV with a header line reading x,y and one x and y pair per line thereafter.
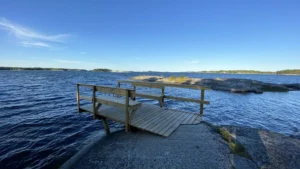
x,y
163,97
77,97
134,88
105,124
94,101
201,104
127,127
119,85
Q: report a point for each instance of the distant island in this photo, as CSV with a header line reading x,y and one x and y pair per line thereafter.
x,y
102,70
39,68
280,72
287,71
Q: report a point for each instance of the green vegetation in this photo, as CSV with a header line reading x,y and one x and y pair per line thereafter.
x,y
289,71
180,79
102,70
235,147
39,68
239,72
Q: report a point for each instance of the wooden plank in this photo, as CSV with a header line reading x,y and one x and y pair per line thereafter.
x,y
142,114
148,84
175,125
85,85
143,84
86,98
165,115
107,89
173,116
147,117
186,86
187,99
149,95
113,90
170,117
187,119
161,114
109,114
192,119
117,102
171,125
198,120
159,85
87,109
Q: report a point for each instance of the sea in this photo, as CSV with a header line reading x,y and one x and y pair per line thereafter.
x,y
40,126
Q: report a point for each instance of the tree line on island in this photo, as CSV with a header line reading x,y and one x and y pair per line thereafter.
x,y
238,72
52,69
39,68
287,71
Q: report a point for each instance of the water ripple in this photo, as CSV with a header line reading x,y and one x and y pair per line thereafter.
x,y
40,126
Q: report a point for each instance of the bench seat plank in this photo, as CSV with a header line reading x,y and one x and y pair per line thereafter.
x,y
149,95
118,102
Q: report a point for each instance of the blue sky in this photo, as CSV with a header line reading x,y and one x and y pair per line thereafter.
x,y
157,35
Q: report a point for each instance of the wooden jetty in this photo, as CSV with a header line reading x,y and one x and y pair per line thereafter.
x,y
122,107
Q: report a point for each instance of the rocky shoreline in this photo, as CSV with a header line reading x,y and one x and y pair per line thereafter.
x,y
191,146
231,85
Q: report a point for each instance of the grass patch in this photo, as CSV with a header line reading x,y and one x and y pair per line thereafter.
x,y
180,79
234,146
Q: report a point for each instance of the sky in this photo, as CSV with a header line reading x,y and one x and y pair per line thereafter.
x,y
156,35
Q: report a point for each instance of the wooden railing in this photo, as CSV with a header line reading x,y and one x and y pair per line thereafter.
x,y
108,100
162,86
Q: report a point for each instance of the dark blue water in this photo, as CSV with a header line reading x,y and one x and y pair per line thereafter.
x,y
40,127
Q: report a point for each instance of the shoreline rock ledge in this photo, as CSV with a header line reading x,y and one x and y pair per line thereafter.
x,y
198,146
232,85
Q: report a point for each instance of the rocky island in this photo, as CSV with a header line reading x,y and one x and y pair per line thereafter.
x,y
231,84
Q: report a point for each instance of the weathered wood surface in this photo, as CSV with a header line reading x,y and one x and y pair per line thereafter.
x,y
161,121
162,97
161,85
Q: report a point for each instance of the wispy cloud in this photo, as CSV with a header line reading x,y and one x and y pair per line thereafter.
x,y
67,61
35,44
192,61
83,53
25,33
31,38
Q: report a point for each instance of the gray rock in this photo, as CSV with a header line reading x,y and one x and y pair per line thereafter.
x,y
239,162
231,85
268,149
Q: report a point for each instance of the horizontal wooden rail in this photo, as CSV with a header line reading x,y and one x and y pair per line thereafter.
x,y
187,99
111,90
86,98
162,85
152,85
186,86
125,103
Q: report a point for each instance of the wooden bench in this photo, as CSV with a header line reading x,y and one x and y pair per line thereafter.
x,y
158,97
162,97
129,106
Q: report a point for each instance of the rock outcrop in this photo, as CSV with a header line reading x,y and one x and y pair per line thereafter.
x,y
231,85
